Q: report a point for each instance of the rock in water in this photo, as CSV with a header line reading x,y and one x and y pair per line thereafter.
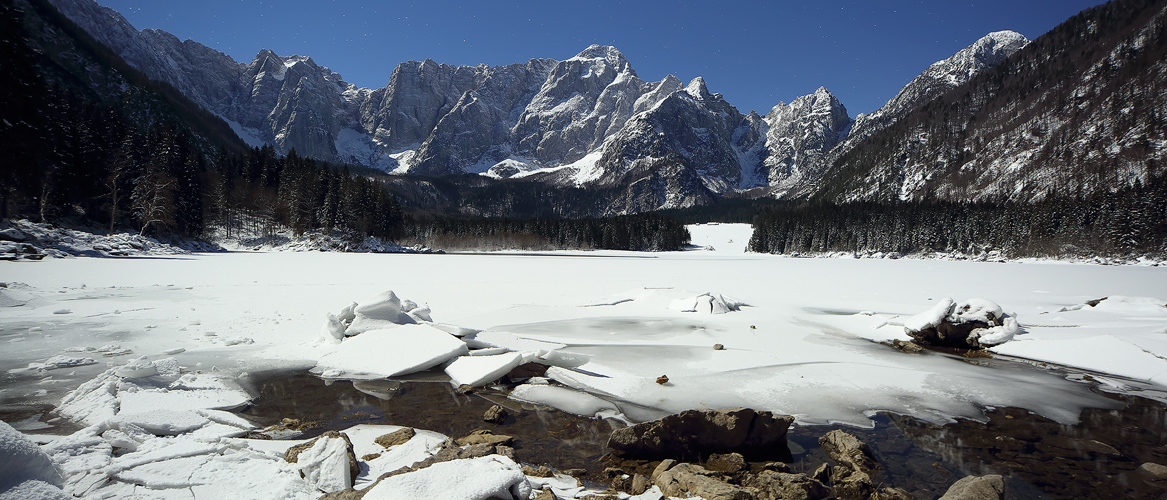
x,y
495,415
697,433
991,487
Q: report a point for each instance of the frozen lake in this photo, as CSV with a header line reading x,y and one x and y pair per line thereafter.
x,y
805,338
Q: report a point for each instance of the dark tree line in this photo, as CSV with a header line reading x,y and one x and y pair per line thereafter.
x,y
1131,222
644,232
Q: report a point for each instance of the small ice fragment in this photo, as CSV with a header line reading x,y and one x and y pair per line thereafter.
x,y
63,311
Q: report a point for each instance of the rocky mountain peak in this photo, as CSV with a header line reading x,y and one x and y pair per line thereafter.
x,y
697,88
608,54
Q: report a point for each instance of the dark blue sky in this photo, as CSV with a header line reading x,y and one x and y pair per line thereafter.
x,y
756,53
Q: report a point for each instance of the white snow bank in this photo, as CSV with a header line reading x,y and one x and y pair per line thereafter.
x,y
708,303
22,461
390,352
423,444
478,370
493,476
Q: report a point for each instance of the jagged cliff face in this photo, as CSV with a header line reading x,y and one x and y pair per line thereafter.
x,y
588,121
799,134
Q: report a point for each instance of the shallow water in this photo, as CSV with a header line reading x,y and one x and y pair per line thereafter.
x,y
1039,457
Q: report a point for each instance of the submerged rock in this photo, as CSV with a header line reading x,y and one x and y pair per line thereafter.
x,y
495,414
698,433
990,487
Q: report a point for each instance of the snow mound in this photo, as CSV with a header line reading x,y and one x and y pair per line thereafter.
x,y
708,303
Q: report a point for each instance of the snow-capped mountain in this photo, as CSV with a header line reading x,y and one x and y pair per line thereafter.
x,y
587,121
799,173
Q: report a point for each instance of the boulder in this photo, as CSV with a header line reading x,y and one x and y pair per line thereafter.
x,y
991,487
1154,474
851,478
688,480
400,436
728,462
848,450
698,433
772,485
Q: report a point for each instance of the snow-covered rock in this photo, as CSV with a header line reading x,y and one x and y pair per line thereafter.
x,y
973,323
492,476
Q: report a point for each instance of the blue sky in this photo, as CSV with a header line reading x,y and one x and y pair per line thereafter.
x,y
756,53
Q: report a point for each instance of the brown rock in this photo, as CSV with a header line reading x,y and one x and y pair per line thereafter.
x,y
576,472
540,471
1154,474
908,347
640,484
395,438
847,449
891,494
784,486
464,389
991,487
527,370
729,462
495,414
662,380
697,433
823,474
545,495
718,347
663,466
693,480
483,436
371,456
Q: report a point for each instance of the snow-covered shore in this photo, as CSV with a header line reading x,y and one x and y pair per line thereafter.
x,y
804,339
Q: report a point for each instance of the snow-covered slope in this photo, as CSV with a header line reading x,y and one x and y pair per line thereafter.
x,y
1075,112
